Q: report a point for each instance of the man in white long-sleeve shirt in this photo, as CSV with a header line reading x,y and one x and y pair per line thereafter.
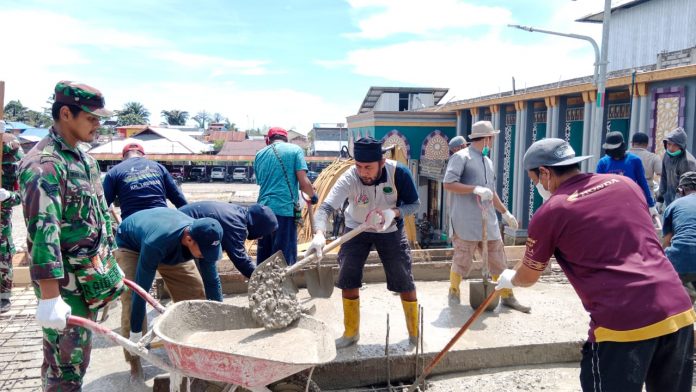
x,y
374,185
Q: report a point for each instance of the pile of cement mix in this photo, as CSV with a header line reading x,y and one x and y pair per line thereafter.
x,y
292,345
272,304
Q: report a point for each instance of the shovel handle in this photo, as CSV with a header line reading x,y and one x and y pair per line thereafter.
x,y
338,241
454,339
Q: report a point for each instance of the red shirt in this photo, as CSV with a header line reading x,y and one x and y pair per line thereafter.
x,y
600,231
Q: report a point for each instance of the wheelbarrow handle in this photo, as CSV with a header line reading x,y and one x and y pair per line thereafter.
x,y
144,295
132,347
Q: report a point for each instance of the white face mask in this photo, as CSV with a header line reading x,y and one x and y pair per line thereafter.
x,y
545,195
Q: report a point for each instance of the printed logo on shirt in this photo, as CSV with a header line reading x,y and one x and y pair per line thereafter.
x,y
215,243
362,199
577,195
388,190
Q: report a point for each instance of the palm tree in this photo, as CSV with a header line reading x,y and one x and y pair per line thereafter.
x,y
201,118
133,113
15,111
175,117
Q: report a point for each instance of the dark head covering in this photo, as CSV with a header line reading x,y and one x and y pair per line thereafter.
x,y
81,95
367,149
640,138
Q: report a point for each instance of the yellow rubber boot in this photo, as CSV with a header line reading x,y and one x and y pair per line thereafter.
x,y
454,293
508,299
411,314
351,323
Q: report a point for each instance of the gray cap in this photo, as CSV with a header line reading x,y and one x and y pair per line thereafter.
x,y
551,152
457,141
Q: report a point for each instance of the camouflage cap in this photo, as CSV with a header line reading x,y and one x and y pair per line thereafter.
x,y
83,96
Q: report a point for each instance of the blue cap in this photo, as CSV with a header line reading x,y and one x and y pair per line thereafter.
x,y
207,233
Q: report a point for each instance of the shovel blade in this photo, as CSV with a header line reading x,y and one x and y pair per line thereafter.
x,y
479,290
320,281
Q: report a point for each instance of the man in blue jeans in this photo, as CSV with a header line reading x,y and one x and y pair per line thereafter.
x,y
280,168
679,232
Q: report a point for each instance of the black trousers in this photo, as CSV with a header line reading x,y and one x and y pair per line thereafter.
x,y
663,364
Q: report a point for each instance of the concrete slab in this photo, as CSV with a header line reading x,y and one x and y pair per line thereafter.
x,y
550,334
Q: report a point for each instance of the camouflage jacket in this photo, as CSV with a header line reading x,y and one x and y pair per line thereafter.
x,y
11,155
64,206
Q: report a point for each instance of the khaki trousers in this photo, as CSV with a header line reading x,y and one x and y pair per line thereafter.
x,y
182,281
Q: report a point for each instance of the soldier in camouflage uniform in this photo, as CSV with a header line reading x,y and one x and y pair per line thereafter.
x,y
9,197
69,234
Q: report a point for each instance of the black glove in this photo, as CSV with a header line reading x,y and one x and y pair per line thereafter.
x,y
314,199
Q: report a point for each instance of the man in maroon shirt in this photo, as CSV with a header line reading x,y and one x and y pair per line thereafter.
x,y
641,319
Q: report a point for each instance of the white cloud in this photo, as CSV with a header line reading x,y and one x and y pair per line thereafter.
x,y
217,65
417,17
472,66
282,107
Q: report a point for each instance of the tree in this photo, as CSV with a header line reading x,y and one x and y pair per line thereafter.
x,y
201,118
217,118
217,145
230,125
175,117
15,111
38,120
133,113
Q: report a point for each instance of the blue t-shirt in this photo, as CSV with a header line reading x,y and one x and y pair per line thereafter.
x,y
274,191
139,184
630,166
680,220
156,234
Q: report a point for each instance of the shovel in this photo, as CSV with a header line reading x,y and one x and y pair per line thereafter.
x,y
320,279
480,290
272,301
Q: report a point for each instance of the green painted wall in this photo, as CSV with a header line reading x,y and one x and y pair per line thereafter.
x,y
540,134
621,125
575,138
415,135
511,165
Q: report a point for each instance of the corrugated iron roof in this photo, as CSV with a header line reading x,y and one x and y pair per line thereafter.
x,y
616,5
157,141
245,147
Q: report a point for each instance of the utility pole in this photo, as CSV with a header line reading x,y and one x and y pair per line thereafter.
x,y
598,127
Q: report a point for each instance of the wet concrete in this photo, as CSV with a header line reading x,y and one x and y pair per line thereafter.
x,y
551,333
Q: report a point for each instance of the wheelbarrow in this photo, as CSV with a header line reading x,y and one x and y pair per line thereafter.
x,y
198,338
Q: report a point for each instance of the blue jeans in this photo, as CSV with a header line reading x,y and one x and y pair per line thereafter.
x,y
283,239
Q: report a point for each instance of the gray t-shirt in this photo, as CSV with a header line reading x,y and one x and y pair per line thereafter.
x,y
651,163
470,167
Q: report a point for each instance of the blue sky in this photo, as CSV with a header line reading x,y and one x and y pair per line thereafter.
x,y
289,63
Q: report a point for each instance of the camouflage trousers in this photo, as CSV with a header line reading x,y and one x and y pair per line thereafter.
x,y
7,250
66,353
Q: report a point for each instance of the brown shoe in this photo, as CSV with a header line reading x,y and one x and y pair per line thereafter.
x,y
511,302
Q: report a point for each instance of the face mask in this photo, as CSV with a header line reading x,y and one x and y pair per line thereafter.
x,y
485,151
542,191
673,154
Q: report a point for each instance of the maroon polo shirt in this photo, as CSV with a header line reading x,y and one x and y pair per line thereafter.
x,y
599,229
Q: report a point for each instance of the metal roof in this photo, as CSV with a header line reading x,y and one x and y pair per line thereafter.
x,y
157,141
617,5
16,125
374,93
